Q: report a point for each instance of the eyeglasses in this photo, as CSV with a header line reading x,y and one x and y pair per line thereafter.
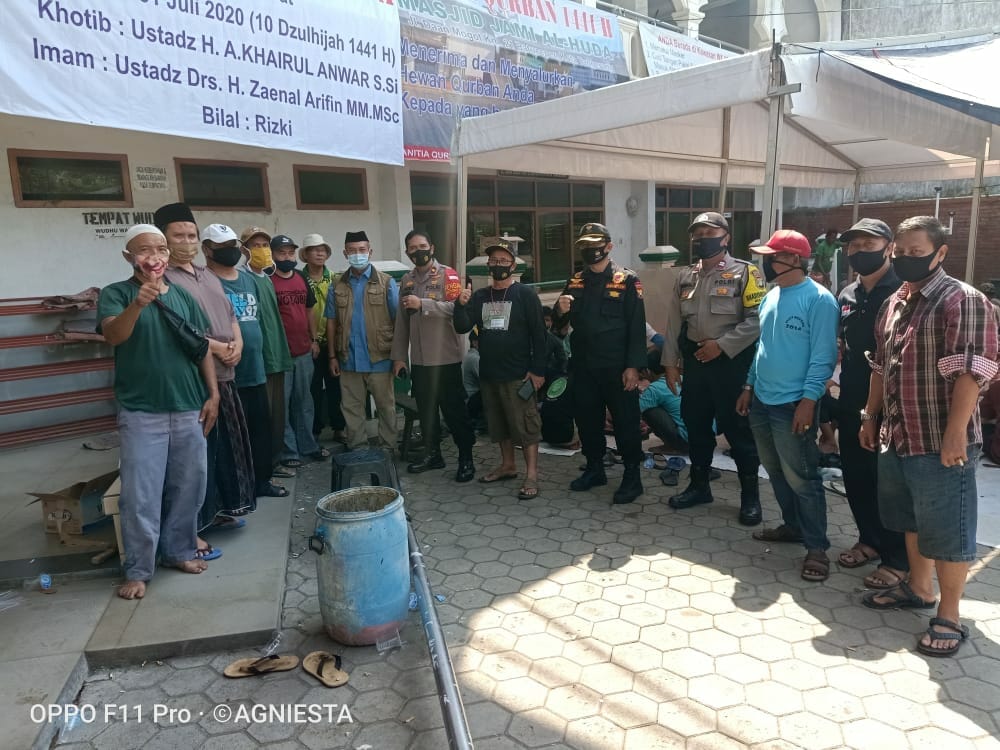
x,y
498,262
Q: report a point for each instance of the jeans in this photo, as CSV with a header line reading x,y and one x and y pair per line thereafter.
x,y
299,440
792,463
164,473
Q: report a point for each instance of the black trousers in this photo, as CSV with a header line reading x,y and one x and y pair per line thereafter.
x,y
663,426
708,395
860,469
439,389
593,392
325,389
258,416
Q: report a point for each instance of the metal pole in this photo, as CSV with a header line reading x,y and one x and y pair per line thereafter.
x,y
977,191
772,163
461,215
452,709
727,124
856,212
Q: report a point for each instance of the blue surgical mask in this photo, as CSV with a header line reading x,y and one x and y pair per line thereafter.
x,y
358,260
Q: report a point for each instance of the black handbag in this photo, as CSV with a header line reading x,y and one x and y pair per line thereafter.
x,y
193,342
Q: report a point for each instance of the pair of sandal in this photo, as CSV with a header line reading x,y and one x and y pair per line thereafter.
x,y
322,665
528,491
883,578
815,566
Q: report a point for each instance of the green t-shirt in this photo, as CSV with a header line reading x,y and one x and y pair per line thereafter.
x,y
152,372
277,358
823,255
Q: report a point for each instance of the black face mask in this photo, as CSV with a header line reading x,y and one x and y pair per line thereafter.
x,y
770,274
500,273
593,255
914,269
867,263
227,256
708,247
420,258
285,265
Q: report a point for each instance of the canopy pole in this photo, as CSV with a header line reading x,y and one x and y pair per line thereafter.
x,y
775,124
727,124
461,216
856,211
977,192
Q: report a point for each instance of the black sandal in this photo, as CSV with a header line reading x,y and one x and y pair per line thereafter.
x,y
780,534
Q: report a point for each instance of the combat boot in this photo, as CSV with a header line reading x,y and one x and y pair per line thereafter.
x,y
593,476
698,490
750,512
631,486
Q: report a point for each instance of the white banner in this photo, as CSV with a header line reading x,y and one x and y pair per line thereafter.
x,y
666,50
315,76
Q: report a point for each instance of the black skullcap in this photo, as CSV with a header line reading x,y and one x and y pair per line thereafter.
x,y
172,212
355,237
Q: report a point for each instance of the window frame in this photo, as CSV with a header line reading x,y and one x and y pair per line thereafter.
x,y
181,161
298,169
13,154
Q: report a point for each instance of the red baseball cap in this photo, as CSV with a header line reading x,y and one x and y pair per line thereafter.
x,y
785,241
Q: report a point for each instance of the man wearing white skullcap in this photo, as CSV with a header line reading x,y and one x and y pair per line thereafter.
x,y
168,401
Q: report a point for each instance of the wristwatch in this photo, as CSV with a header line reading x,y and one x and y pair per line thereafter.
x,y
747,387
866,417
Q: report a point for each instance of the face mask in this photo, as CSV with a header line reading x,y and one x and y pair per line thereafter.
x,y
285,265
183,252
867,263
358,260
912,269
593,255
260,259
420,258
707,247
771,273
500,273
227,256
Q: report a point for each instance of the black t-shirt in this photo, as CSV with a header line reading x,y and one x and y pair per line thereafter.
x,y
858,313
511,331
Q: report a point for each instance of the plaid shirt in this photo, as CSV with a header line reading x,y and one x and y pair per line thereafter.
x,y
946,329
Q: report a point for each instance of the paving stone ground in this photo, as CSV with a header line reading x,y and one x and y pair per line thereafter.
x,y
575,624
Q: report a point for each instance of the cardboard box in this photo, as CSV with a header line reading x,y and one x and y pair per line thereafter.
x,y
79,506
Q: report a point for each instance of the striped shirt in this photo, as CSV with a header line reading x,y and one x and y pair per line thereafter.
x,y
945,329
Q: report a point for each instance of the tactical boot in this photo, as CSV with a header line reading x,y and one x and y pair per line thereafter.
x,y
631,486
432,460
750,512
466,468
698,490
593,476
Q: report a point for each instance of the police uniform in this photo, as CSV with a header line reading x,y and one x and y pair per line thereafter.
x,y
609,336
715,302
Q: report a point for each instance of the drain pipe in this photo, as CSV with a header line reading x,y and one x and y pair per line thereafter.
x,y
452,710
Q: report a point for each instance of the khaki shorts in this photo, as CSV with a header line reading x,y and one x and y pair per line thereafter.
x,y
509,416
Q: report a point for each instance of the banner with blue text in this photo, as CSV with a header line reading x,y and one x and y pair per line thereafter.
x,y
666,50
314,76
464,58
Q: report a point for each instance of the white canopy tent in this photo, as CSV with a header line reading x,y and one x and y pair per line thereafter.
x,y
811,116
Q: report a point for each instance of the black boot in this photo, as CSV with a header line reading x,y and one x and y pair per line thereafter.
x,y
593,476
698,491
631,486
750,512
432,460
466,468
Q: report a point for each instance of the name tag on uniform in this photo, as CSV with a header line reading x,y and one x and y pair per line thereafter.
x,y
496,316
723,291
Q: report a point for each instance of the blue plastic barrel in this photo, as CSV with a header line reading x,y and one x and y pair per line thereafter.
x,y
363,564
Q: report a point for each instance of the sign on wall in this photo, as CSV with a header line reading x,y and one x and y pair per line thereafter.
x,y
465,58
666,50
317,76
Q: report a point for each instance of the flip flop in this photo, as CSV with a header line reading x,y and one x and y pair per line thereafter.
x,y
282,472
212,553
816,567
943,635
272,490
495,477
325,667
230,524
529,491
900,597
321,455
262,665
860,557
292,463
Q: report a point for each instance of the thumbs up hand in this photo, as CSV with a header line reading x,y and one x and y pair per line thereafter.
x,y
466,295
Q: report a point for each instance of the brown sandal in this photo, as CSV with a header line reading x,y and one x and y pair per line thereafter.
x,y
264,665
325,667
858,555
884,577
816,566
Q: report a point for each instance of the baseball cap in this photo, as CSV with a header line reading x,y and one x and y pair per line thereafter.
x,y
875,227
593,233
501,244
250,232
281,240
218,233
785,241
711,219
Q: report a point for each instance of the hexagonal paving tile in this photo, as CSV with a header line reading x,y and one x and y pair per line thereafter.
x,y
810,730
716,691
537,727
629,709
574,701
520,694
606,678
687,717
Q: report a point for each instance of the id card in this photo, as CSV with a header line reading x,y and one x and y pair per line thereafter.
x,y
496,316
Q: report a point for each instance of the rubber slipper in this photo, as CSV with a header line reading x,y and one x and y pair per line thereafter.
x,y
212,553
262,665
321,455
860,557
293,463
325,667
495,477
272,490
956,639
230,524
528,492
874,581
283,472
900,597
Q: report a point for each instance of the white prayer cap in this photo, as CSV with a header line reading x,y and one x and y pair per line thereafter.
x,y
138,229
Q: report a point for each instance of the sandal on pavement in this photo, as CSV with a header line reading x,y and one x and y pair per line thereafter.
x,y
292,463
529,491
207,553
816,566
943,635
780,534
262,665
321,455
226,523
272,490
497,476
884,577
283,472
858,555
325,667
900,597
